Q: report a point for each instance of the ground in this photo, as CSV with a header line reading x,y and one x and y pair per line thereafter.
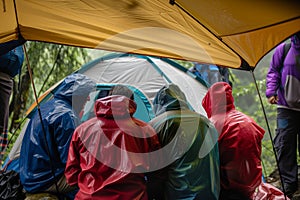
x,y
274,179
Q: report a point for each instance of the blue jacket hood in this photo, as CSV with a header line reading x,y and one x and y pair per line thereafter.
x,y
73,87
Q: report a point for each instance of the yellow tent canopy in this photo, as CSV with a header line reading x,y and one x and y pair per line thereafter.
x,y
229,33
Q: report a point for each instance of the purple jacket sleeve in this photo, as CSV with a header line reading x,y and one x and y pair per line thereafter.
x,y
274,73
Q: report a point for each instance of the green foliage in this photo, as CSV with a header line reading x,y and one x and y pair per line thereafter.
x,y
249,101
49,64
185,64
268,158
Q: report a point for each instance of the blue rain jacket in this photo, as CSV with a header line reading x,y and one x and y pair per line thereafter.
x,y
59,120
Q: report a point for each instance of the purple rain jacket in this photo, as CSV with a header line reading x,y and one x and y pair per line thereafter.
x,y
279,77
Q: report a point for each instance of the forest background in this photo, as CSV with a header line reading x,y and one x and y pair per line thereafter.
x,y
50,63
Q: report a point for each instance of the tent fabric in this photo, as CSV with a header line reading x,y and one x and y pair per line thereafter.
x,y
147,74
227,33
12,160
131,69
144,110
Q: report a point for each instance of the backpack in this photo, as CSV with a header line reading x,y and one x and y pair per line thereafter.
x,y
10,186
11,62
210,73
225,74
286,49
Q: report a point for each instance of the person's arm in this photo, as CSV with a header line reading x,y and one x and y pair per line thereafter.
x,y
156,183
156,179
63,131
273,99
274,75
73,169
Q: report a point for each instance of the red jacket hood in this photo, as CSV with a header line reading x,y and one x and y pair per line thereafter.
x,y
115,106
218,99
109,154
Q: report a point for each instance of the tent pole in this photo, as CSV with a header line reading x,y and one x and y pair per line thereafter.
x,y
40,115
269,130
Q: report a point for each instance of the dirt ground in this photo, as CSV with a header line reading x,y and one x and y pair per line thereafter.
x,y
274,179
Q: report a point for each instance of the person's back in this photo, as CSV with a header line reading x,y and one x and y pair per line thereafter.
x,y
107,153
239,144
190,167
211,73
46,141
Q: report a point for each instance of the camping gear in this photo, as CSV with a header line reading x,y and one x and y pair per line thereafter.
x,y
266,191
10,186
148,74
11,62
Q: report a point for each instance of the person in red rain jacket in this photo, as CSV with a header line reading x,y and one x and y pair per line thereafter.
x,y
239,144
108,153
